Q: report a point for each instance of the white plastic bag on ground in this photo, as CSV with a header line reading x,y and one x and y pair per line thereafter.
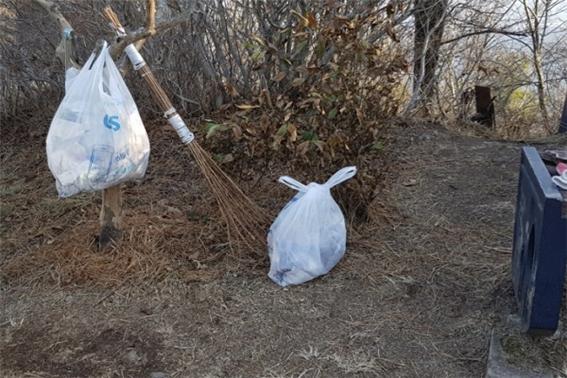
x,y
96,139
308,238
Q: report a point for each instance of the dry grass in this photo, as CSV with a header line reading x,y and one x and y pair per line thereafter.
x,y
172,225
148,252
417,293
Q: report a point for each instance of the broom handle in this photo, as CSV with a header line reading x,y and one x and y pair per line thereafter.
x,y
159,95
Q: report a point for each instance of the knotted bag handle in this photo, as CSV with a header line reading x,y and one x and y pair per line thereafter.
x,y
341,176
292,183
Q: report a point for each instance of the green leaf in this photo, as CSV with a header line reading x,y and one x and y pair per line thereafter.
x,y
282,130
213,128
320,48
257,55
299,48
309,136
378,146
331,98
332,114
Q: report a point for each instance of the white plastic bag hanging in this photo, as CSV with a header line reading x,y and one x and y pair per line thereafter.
x,y
70,74
96,139
308,238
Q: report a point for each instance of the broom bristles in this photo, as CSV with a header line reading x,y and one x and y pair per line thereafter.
x,y
246,222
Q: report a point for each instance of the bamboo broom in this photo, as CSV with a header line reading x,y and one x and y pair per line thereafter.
x,y
246,222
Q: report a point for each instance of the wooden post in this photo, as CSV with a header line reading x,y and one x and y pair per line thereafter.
x,y
111,211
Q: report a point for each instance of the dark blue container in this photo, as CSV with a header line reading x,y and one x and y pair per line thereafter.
x,y
563,121
540,247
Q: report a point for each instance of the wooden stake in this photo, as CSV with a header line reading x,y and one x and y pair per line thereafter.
x,y
110,217
111,211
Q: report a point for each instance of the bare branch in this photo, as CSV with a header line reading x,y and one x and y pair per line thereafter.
x,y
485,31
121,43
150,21
398,20
55,13
64,51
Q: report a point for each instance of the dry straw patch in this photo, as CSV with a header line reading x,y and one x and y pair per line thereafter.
x,y
171,226
147,252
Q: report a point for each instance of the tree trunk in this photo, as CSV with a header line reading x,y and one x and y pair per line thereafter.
x,y
541,87
428,34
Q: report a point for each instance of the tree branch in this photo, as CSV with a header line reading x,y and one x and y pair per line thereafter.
x,y
64,51
486,31
150,21
133,37
382,32
55,13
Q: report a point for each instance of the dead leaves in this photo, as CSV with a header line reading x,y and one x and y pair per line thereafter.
x,y
298,82
287,131
247,106
307,21
325,94
231,90
280,76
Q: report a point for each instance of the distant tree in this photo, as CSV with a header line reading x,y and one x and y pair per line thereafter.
x,y
430,16
537,15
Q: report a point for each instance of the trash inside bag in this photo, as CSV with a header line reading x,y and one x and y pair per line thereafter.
x,y
308,238
96,139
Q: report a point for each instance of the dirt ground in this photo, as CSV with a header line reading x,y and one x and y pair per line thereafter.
x,y
417,294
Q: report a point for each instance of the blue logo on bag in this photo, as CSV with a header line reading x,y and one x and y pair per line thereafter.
x,y
111,122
